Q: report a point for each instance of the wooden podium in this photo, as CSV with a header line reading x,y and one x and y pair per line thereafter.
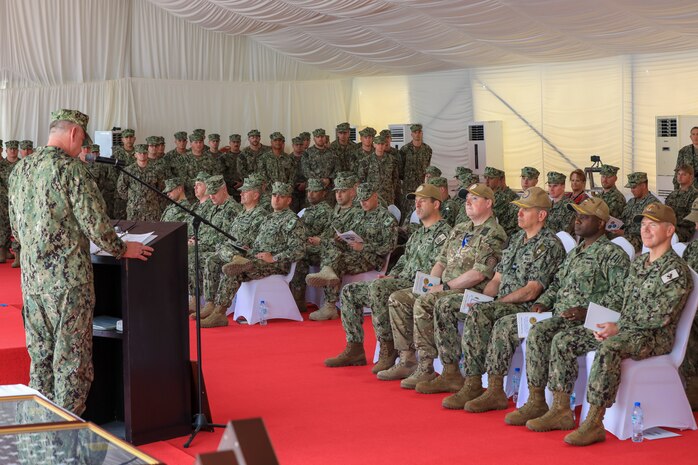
x,y
142,376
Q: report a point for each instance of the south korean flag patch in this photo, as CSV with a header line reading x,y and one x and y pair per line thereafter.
x,y
670,276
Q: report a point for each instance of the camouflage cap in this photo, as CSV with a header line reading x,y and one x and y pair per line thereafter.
x,y
533,197
491,172
556,178
304,135
343,127
161,140
379,139
200,131
415,127
592,206
94,148
297,140
195,137
693,216
365,191
657,212
152,140
258,177
318,132
438,181
140,148
479,189
282,188
86,143
214,183
276,136
251,184
172,184
12,144
202,176
73,116
426,191
254,132
462,171
234,138
214,137
636,178
342,183
433,171
468,179
26,145
367,131
529,172
315,185
180,135
128,133
386,133
608,170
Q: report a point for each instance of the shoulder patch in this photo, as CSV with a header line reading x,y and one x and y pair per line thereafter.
x,y
670,276
540,250
440,239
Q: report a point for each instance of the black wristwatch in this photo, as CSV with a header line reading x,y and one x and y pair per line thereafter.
x,y
446,287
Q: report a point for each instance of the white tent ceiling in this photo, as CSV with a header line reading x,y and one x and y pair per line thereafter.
x,y
374,37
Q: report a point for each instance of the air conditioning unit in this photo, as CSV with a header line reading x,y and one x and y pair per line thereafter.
x,y
107,140
672,133
485,146
354,134
401,134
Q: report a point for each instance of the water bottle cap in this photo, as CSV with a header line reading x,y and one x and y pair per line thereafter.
x,y
637,404
516,370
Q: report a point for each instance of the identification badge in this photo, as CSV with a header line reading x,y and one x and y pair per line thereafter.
x,y
670,276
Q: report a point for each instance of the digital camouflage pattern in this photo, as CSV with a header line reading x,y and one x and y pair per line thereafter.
x,y
615,201
412,164
631,229
173,213
505,211
142,204
681,201
319,163
345,155
561,218
382,172
6,168
281,168
687,156
450,209
689,367
191,165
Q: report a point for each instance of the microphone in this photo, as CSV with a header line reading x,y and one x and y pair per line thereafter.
x,y
92,158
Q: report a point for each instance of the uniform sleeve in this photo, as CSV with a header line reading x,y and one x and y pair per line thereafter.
x,y
616,272
388,238
489,253
546,262
295,242
443,253
122,186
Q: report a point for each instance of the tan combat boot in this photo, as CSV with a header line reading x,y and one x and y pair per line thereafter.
x,y
472,388
692,392
192,304
325,277
404,368
386,357
424,372
534,407
206,311
353,355
328,311
493,399
591,430
237,265
15,264
560,416
450,380
216,318
3,254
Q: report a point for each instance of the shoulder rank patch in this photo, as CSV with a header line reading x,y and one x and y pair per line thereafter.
x,y
539,251
670,276
440,239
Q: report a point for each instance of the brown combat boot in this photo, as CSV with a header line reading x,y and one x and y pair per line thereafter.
x,y
353,355
534,407
237,265
192,304
15,264
325,277
472,388
216,318
328,311
404,368
450,380
560,416
493,399
591,430
206,311
3,254
424,372
386,357
692,392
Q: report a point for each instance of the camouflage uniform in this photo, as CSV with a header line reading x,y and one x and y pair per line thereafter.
x,y
653,298
281,168
681,201
6,168
345,155
383,172
54,226
412,164
687,156
299,201
689,367
560,217
522,262
419,255
632,229
319,163
142,204
249,159
615,201
505,212
467,247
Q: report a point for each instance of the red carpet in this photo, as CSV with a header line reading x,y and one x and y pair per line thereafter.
x,y
317,415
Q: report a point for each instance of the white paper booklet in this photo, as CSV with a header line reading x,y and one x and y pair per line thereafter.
x,y
423,281
596,314
526,320
613,224
145,238
659,433
472,297
350,236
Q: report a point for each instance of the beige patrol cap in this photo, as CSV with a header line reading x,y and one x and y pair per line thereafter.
x,y
657,212
480,189
533,197
426,191
593,206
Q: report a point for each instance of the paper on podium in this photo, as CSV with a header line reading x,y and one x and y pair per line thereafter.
x,y
145,238
596,314
526,320
423,281
472,297
349,236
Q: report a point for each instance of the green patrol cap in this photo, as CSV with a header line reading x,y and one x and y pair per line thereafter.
x,y
94,148
433,171
657,212
254,132
379,139
461,171
26,145
636,178
305,135
593,206
202,176
491,172
251,184
416,127
426,191
140,148
315,185
276,136
214,183
195,136
319,132
556,178
341,183
128,133
386,133
152,140
468,179
367,131
297,140
529,172
438,181
365,191
73,116
214,137
282,188
258,177
608,170
234,138
533,197
171,184
479,189
199,131
343,127
180,135
161,140
693,216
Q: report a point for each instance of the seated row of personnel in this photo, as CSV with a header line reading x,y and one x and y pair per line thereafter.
x,y
532,273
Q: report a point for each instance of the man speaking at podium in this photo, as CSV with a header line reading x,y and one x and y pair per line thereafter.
x,y
55,210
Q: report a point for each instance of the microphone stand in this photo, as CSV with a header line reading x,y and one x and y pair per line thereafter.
x,y
200,422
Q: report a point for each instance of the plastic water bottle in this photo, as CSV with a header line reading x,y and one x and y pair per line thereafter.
x,y
573,405
263,311
638,423
516,380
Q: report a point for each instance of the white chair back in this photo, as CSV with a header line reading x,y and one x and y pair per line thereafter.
x,y
679,248
674,239
683,328
395,212
567,240
301,213
625,245
414,218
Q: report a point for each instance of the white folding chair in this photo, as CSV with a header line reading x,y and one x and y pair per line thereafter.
x,y
679,248
395,212
276,294
567,240
313,294
625,245
655,383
